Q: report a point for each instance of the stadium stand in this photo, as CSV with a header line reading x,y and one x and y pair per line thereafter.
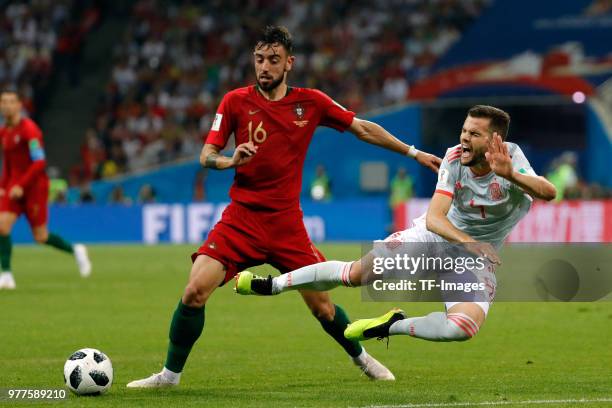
x,y
171,69
533,50
38,39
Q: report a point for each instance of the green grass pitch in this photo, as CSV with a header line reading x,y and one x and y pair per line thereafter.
x,y
271,352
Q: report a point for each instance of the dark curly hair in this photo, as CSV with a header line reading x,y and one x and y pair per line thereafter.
x,y
275,35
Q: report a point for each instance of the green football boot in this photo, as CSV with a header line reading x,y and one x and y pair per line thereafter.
x,y
247,283
377,327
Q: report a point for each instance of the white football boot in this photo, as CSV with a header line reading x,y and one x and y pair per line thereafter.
x,y
82,260
7,281
373,368
158,380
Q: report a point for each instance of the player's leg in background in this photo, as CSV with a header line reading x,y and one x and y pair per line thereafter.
x,y
292,249
334,321
43,236
37,213
7,220
187,321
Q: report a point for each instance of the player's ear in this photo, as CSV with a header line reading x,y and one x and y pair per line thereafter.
x,y
289,63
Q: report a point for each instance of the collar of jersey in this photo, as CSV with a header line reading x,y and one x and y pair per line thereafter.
x,y
479,176
289,89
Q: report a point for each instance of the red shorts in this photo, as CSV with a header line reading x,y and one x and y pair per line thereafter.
x,y
245,237
33,204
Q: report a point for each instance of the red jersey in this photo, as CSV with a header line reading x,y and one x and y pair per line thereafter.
x,y
23,160
282,130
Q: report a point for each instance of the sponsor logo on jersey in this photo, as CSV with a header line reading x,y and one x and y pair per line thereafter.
x,y
252,112
495,191
217,122
17,139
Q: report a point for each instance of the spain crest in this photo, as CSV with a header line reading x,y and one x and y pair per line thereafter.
x,y
495,191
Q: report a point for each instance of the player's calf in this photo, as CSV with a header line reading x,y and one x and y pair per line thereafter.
x,y
321,306
187,322
437,326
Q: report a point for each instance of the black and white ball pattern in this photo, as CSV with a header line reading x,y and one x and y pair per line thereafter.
x,y
88,371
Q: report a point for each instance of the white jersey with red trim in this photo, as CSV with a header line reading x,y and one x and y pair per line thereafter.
x,y
485,207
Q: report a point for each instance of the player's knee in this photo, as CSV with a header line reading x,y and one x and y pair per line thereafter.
x,y
194,296
41,237
460,327
456,334
5,228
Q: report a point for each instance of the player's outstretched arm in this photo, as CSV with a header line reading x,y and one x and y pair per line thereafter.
x,y
373,133
501,163
437,222
211,158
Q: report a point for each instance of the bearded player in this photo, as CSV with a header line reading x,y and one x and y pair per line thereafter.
x,y
485,187
272,124
24,188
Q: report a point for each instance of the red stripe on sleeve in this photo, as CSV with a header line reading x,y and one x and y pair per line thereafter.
x,y
446,193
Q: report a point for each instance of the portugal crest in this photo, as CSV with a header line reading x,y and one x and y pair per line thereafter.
x,y
495,191
298,109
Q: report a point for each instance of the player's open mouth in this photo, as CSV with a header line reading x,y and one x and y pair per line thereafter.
x,y
465,152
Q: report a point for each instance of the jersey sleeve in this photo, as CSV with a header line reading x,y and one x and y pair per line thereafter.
x,y
223,124
33,135
35,143
448,175
520,162
3,178
333,114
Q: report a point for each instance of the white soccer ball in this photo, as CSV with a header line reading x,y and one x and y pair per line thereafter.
x,y
88,371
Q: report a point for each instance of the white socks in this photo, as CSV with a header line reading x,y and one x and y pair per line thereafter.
x,y
321,276
171,376
361,359
437,326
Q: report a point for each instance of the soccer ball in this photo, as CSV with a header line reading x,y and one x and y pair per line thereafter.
x,y
88,372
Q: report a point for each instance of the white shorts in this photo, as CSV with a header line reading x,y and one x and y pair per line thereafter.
x,y
420,234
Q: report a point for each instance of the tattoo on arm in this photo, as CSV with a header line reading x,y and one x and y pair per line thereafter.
x,y
211,161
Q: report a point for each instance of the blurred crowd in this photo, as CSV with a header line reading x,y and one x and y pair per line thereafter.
x,y
177,59
28,37
37,35
564,175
